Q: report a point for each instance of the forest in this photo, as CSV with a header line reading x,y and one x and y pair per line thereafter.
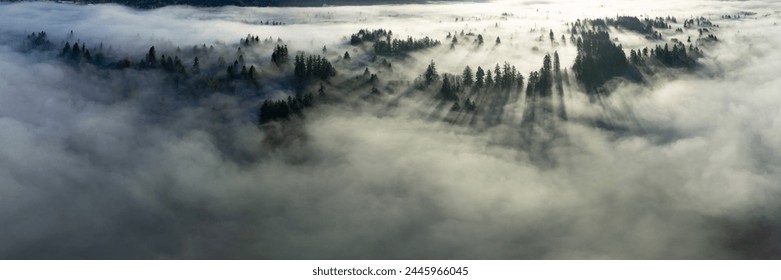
x,y
196,71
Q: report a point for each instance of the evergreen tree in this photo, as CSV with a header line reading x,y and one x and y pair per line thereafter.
x,y
280,55
467,76
431,74
196,65
252,73
508,74
176,65
534,77
545,81
151,57
448,91
479,77
76,51
124,63
67,49
397,47
599,59
519,82
489,81
231,72
470,106
313,67
497,75
300,67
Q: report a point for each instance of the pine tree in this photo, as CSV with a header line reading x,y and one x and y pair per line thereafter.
x,y
67,49
280,55
497,75
470,105
507,76
179,66
519,82
479,77
231,72
431,74
196,65
545,80
252,73
76,51
467,76
300,67
447,91
151,57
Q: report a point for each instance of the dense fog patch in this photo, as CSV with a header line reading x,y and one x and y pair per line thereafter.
x,y
114,164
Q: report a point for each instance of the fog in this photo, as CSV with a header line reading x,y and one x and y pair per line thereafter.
x,y
112,165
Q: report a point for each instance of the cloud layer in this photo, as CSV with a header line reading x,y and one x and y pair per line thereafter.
x,y
89,172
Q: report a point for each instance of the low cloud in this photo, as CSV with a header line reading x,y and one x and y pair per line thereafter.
x,y
88,171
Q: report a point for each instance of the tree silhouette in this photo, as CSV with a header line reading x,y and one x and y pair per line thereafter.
x,y
280,55
431,74
448,91
151,57
479,77
196,65
467,76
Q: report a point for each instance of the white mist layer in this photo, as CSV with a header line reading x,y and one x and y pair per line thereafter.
x,y
85,173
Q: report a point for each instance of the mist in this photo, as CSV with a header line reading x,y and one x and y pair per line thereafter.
x,y
116,165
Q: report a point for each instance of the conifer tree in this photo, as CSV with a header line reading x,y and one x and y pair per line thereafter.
x,y
467,76
479,77
431,74
151,57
